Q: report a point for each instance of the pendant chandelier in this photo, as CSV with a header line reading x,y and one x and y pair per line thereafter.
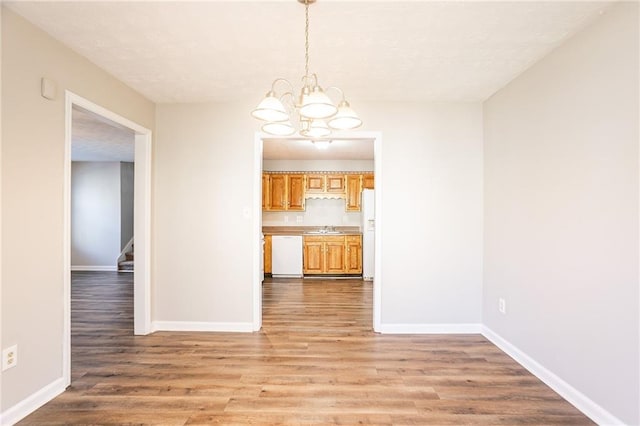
x,y
312,110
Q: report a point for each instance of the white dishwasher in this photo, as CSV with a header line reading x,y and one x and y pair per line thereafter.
x,y
286,256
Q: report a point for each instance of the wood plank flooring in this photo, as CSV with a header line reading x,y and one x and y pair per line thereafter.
x,y
316,361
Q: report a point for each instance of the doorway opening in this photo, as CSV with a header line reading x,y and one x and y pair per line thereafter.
x,y
310,161
95,116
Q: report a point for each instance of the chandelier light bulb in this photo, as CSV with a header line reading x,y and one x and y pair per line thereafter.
x,y
322,144
316,129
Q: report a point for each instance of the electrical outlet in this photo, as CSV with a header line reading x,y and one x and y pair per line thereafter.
x,y
299,219
286,219
10,357
502,306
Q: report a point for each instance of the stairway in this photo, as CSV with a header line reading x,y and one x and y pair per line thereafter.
x,y
126,265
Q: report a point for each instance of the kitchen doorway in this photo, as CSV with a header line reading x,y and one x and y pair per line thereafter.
x,y
284,144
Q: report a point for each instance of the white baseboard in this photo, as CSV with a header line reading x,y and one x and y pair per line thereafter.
x,y
30,404
430,328
592,410
94,268
242,327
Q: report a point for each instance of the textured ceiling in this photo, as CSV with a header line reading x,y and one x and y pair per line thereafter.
x,y
95,138
300,149
179,51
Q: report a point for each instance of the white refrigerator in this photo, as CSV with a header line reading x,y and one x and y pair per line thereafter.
x,y
368,227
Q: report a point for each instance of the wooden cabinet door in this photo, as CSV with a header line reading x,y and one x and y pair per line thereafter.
x,y
335,184
265,192
367,181
334,255
353,193
295,189
277,192
313,255
315,184
354,254
267,254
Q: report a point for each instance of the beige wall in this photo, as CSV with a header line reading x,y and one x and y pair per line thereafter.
x,y
32,191
561,212
432,180
204,169
432,212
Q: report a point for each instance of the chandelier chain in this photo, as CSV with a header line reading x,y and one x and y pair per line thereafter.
x,y
306,38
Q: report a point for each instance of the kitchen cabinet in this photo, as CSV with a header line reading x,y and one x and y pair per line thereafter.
x,y
266,204
313,255
287,191
267,254
332,254
354,189
335,255
353,263
295,192
367,181
283,192
327,184
277,192
315,184
335,184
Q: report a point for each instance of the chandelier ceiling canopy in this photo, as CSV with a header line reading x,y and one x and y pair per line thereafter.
x,y
312,111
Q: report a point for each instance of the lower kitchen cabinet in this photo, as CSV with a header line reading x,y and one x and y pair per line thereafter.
x,y
332,254
353,264
267,254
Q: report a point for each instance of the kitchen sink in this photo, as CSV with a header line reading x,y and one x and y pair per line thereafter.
x,y
323,232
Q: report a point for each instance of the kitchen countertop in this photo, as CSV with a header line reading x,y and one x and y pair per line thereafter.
x,y
304,230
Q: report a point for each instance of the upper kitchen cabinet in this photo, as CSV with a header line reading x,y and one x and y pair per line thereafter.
x,y
283,192
335,184
277,198
354,189
322,184
286,191
266,201
295,192
315,183
367,181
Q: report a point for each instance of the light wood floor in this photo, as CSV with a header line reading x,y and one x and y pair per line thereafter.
x,y
316,361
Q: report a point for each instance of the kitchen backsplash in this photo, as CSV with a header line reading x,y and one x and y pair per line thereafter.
x,y
319,212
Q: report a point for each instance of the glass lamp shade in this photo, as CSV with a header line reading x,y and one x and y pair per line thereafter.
x,y
345,119
317,105
280,128
316,129
270,109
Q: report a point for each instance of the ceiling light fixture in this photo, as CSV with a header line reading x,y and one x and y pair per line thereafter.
x,y
321,143
315,113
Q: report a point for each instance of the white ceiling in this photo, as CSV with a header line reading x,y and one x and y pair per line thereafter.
x,y
179,51
217,50
95,138
301,149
